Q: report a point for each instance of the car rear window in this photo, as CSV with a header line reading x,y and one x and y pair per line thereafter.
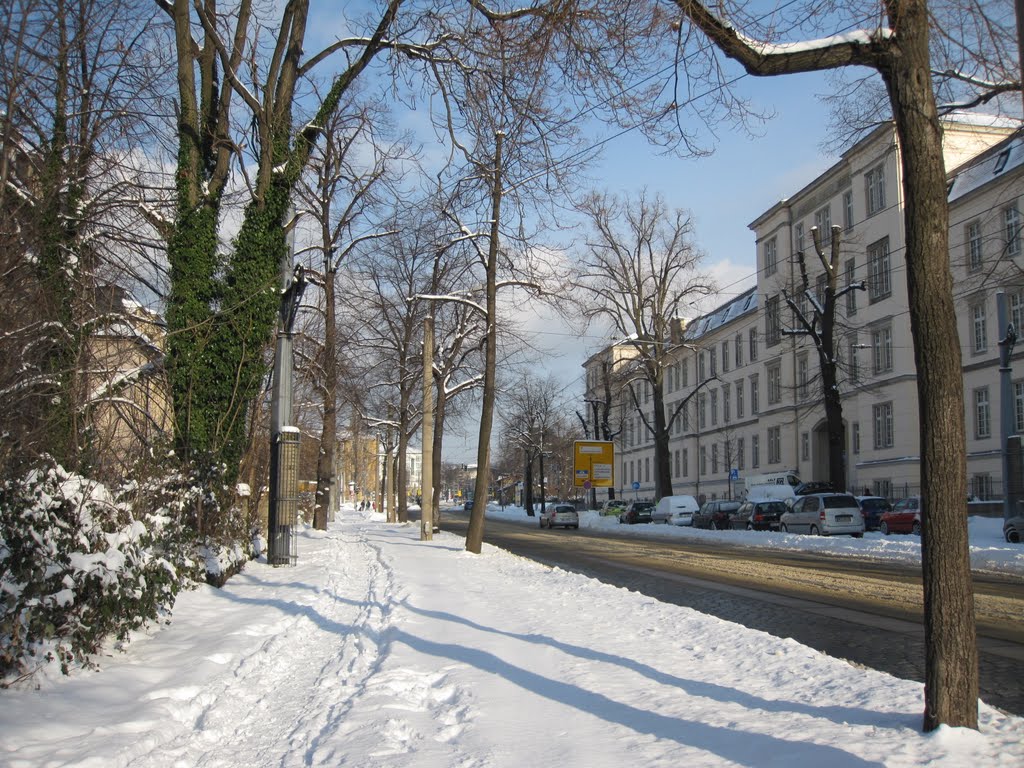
x,y
775,506
838,502
643,505
875,504
730,506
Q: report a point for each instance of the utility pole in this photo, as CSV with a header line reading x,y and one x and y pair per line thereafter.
x,y
282,515
1008,425
427,485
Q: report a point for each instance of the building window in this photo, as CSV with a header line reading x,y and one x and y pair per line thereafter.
x,y
883,488
647,392
982,414
981,486
799,230
684,367
739,453
703,460
686,418
726,404
755,452
803,376
753,344
879,273
725,356
714,459
979,328
647,470
739,399
805,446
774,372
714,407
675,464
754,407
772,321
883,425
856,437
848,209
1011,219
713,356
774,445
686,462
820,288
1018,405
770,256
701,368
972,236
881,349
823,221
1017,310
874,182
738,346
702,421
851,294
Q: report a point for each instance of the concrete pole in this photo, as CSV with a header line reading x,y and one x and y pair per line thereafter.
x,y
1007,421
427,484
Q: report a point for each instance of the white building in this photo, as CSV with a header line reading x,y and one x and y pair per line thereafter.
x,y
752,391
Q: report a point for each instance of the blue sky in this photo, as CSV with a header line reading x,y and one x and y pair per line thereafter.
x,y
724,192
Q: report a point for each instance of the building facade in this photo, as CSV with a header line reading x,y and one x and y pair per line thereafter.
x,y
747,389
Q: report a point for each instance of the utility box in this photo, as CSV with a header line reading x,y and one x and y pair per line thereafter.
x,y
284,499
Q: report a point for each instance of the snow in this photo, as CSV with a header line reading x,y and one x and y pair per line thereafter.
x,y
378,649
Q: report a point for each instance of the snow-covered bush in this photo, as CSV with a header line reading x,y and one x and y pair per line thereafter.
x,y
79,566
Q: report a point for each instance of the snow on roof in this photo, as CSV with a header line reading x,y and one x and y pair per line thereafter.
x,y
998,162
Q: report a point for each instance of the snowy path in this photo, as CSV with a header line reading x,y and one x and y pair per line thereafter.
x,y
381,651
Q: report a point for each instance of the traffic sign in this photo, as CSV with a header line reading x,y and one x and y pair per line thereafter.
x,y
636,485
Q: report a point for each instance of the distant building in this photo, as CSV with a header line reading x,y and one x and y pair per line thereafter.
x,y
760,406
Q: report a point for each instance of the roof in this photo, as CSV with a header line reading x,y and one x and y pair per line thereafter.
x,y
743,304
998,161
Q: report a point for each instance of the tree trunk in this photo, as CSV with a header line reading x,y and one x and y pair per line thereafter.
x,y
528,484
329,433
662,463
951,656
475,534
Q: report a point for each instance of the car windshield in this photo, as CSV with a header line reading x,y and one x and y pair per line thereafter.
x,y
838,502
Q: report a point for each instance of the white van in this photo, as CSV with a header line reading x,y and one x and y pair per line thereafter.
x,y
771,485
678,510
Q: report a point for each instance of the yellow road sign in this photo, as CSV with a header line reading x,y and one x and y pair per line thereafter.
x,y
594,463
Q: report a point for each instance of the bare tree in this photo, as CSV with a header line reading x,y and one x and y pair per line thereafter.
x,y
640,271
819,325
896,47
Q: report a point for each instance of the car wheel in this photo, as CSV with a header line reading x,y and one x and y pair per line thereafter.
x,y
577,526
784,528
857,535
884,528
814,530
917,528
714,526
750,527
1012,536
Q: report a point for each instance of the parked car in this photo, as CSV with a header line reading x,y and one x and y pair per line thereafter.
x,y
758,515
468,506
715,514
637,512
613,507
677,510
825,514
813,486
904,517
873,507
1013,528
564,515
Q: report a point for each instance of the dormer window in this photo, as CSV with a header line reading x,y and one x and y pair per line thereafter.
x,y
1001,161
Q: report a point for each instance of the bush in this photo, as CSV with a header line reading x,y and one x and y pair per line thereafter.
x,y
79,566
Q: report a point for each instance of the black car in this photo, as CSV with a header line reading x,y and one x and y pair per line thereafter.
x,y
715,514
873,507
637,512
758,515
468,506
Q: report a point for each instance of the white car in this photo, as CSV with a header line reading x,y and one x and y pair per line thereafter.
x,y
678,510
564,515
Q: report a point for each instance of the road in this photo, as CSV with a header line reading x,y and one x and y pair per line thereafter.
x,y
869,613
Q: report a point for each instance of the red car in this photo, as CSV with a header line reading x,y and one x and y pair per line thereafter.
x,y
904,517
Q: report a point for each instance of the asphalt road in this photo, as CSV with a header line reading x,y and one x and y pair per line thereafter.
x,y
868,612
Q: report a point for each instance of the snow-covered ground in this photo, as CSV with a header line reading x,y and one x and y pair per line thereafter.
x,y
378,649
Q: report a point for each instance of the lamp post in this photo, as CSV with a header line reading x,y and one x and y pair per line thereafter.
x,y
1006,411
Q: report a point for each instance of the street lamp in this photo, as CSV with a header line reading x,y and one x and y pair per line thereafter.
x,y
1007,421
